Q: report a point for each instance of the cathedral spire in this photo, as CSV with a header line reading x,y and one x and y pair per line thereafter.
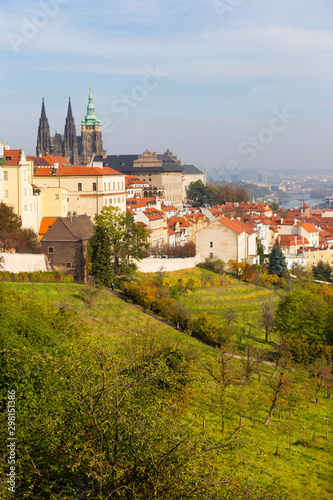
x,y
43,136
71,151
69,112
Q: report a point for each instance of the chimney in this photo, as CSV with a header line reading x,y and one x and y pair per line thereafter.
x,y
69,216
7,147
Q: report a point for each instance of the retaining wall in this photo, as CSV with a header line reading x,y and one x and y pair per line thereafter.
x,y
23,262
152,265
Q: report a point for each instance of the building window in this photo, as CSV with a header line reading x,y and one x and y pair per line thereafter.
x,y
25,191
5,175
5,193
30,208
67,200
114,186
109,186
24,174
110,201
211,244
25,207
211,255
50,250
68,265
56,197
79,186
94,186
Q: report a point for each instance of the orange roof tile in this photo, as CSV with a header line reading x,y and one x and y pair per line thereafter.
x,y
45,224
12,156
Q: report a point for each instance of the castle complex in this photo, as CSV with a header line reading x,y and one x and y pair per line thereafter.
x,y
79,150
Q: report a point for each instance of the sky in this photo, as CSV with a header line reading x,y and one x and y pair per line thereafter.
x,y
232,84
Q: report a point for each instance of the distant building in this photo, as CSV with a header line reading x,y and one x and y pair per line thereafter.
x,y
191,174
163,172
79,150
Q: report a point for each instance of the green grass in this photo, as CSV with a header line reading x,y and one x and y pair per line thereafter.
x,y
304,472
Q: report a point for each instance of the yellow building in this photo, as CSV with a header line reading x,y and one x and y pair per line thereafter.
x,y
313,257
16,188
88,188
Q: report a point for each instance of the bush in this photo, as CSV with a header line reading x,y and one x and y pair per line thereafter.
x,y
36,277
215,265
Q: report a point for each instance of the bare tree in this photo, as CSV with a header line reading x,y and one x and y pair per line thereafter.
x,y
279,385
267,319
231,315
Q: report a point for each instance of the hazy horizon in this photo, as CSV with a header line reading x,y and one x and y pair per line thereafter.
x,y
223,83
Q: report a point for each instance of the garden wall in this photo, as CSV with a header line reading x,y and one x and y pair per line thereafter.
x,y
24,262
152,265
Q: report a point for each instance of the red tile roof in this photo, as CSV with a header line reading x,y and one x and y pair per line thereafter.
x,y
12,156
237,225
74,171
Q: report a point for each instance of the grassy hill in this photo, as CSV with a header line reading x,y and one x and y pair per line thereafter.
x,y
291,457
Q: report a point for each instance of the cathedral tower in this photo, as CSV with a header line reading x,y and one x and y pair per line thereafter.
x,y
91,133
70,151
43,137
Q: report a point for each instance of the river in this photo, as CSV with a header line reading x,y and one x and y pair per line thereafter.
x,y
293,203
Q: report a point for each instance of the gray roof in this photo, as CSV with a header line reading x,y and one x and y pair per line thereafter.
x,y
76,227
190,169
124,164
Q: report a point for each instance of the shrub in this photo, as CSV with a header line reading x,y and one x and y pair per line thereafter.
x,y
215,265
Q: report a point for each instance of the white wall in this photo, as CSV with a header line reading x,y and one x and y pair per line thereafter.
x,y
23,262
152,265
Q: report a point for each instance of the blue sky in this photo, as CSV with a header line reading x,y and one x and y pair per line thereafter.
x,y
224,67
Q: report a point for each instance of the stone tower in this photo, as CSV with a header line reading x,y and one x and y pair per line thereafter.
x,y
70,147
91,134
43,137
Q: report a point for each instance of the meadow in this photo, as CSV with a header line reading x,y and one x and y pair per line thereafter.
x,y
291,458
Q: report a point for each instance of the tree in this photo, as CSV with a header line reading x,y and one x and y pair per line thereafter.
x,y
116,244
304,319
100,257
267,319
12,235
198,193
277,261
9,221
322,271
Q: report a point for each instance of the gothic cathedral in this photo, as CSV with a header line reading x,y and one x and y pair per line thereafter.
x,y
78,150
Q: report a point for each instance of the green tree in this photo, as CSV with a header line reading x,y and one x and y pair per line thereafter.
x,y
322,271
198,193
9,221
277,261
304,319
117,239
100,256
